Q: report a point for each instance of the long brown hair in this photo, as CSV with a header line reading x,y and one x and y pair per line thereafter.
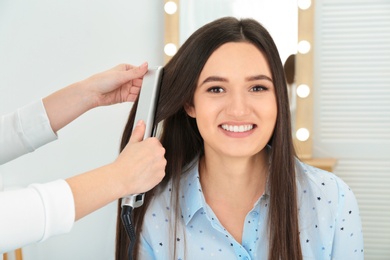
x,y
183,142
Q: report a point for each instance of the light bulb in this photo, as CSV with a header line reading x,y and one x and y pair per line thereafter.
x,y
304,4
302,134
170,7
170,49
304,47
303,91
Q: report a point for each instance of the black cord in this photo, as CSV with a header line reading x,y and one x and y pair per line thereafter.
x,y
127,223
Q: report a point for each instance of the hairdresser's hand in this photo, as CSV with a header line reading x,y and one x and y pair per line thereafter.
x,y
141,163
119,84
138,168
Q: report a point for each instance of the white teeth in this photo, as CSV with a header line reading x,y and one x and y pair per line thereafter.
x,y
236,128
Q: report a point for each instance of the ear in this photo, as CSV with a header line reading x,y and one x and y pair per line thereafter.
x,y
190,109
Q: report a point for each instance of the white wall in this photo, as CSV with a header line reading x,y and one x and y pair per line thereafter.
x,y
352,107
46,45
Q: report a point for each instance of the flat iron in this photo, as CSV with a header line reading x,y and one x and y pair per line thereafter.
x,y
146,110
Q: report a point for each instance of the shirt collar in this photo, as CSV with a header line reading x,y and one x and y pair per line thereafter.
x,y
191,195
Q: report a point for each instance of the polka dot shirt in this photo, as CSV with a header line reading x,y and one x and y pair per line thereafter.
x,y
330,226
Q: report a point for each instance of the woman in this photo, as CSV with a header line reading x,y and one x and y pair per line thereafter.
x,y
233,188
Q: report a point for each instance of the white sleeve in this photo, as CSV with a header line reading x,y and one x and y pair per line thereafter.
x,y
24,131
35,213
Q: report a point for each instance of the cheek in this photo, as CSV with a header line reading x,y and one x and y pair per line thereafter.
x,y
273,113
206,120
270,113
203,120
203,108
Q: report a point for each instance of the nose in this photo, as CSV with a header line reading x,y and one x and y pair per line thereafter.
x,y
238,105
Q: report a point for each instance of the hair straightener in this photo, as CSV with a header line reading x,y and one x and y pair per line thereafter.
x,y
146,110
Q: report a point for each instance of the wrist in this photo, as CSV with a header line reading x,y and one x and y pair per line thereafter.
x,y
86,97
119,186
66,104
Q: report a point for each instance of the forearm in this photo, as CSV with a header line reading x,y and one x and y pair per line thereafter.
x,y
119,84
65,105
95,189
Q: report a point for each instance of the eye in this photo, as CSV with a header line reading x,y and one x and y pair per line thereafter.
x,y
215,90
258,88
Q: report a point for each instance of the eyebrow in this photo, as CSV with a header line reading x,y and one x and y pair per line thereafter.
x,y
250,78
258,77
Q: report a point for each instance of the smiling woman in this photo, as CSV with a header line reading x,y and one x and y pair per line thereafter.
x,y
233,188
236,92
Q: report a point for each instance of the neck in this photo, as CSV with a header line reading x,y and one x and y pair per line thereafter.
x,y
234,178
231,187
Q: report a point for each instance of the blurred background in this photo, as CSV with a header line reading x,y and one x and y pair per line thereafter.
x,y
341,91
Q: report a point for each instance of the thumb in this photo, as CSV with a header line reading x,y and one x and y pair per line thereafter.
x,y
138,132
136,72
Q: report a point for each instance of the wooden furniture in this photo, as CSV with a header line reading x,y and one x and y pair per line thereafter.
x,y
326,164
304,74
18,255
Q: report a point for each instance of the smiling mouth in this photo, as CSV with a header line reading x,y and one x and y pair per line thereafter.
x,y
237,128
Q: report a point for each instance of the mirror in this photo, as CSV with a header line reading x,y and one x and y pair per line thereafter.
x,y
279,17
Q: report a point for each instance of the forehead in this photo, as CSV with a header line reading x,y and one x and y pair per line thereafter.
x,y
236,57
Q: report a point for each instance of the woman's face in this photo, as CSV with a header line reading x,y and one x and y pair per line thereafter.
x,y
234,101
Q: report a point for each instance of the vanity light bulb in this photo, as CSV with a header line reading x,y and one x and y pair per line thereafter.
x,y
170,7
304,4
304,47
302,134
303,91
170,49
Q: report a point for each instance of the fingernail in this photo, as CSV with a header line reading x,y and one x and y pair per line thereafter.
x,y
139,122
143,65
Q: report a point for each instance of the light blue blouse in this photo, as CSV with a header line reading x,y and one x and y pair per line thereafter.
x,y
330,226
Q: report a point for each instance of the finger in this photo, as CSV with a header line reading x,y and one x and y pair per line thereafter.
x,y
130,75
131,98
130,93
124,67
137,82
138,132
135,90
137,72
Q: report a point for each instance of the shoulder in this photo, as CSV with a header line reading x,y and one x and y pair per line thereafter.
x,y
327,206
322,186
160,202
308,175
162,209
157,217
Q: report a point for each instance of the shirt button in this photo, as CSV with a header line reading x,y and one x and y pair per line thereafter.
x,y
254,213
